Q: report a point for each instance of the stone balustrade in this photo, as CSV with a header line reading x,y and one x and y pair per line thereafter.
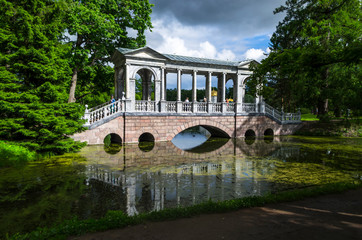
x,y
111,110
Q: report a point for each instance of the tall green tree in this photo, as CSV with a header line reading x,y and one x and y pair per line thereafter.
x,y
96,28
315,51
33,71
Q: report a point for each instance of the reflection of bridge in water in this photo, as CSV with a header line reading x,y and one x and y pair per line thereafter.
x,y
169,177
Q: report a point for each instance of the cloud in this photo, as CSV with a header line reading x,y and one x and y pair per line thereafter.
x,y
256,54
241,17
226,30
167,38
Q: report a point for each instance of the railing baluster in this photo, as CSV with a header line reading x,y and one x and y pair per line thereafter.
x,y
108,109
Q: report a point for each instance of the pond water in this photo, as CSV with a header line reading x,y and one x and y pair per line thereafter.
x,y
139,178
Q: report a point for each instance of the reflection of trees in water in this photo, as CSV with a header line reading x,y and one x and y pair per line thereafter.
x,y
112,148
135,181
257,147
168,176
146,146
40,194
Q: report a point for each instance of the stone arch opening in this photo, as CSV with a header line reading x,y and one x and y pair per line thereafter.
x,y
191,138
268,135
269,132
215,132
112,143
112,138
146,137
146,142
250,137
250,133
145,84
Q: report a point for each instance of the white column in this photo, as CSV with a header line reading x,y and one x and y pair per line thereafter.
x,y
144,86
116,83
163,84
208,85
194,86
158,90
165,78
178,84
149,85
127,81
223,87
240,88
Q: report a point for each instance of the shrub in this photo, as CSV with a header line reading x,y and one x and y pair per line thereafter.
x,y
305,110
12,154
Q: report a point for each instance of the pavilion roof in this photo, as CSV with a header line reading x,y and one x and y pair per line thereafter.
x,y
180,58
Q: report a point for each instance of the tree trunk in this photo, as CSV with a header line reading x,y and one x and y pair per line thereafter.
x,y
323,103
73,86
322,107
75,73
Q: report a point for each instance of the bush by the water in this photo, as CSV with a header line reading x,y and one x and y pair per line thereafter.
x,y
305,110
12,154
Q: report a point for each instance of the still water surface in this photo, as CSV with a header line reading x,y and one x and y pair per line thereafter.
x,y
141,178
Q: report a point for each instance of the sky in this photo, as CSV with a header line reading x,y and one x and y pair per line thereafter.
x,y
232,30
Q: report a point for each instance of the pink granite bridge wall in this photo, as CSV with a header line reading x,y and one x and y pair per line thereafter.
x,y
165,128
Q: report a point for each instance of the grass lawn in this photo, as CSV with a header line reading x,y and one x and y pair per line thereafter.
x,y
309,117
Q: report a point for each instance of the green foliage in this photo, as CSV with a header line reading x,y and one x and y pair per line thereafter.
x,y
249,98
107,140
315,58
117,219
305,111
139,90
33,75
309,117
344,128
96,29
96,85
12,154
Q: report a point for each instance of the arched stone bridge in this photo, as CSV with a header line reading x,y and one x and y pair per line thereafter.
x,y
164,127
161,119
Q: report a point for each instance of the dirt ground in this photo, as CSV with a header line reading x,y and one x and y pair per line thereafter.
x,y
337,216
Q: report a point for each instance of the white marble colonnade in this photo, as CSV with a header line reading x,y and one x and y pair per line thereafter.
x,y
150,64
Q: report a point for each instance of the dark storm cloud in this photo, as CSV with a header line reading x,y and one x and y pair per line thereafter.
x,y
244,16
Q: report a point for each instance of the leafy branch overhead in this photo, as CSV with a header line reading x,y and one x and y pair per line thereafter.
x,y
96,28
315,55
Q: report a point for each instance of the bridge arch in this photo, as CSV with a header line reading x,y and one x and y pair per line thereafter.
x,y
269,132
152,70
216,129
250,133
112,138
146,137
101,133
145,83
